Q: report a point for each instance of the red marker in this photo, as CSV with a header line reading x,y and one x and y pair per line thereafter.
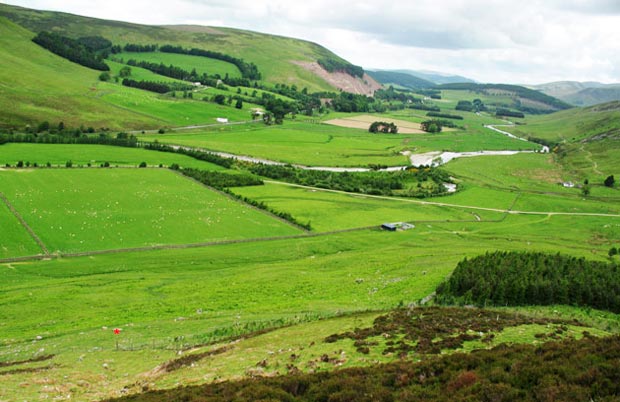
x,y
117,331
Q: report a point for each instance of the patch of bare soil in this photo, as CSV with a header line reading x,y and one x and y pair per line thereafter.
x,y
364,121
362,86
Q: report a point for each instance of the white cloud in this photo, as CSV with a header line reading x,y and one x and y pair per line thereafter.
x,y
529,41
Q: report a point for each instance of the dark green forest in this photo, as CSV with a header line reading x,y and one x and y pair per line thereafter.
x,y
526,278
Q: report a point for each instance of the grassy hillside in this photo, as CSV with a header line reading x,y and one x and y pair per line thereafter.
x,y
261,49
36,86
524,99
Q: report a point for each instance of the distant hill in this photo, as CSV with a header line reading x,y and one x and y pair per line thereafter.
x,y
525,99
436,77
279,59
581,93
400,79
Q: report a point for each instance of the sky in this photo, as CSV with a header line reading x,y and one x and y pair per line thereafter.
x,y
508,41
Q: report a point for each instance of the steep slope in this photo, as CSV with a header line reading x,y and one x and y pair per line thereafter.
x,y
37,85
279,59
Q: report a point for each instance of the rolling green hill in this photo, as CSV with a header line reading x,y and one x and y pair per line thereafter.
x,y
588,137
261,49
581,93
37,86
524,99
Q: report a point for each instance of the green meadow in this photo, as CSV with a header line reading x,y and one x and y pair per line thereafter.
x,y
95,155
336,210
15,240
98,209
185,61
326,145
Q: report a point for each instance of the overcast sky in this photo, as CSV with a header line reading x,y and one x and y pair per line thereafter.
x,y
527,41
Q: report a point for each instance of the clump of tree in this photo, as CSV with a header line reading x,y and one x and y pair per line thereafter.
x,y
372,182
526,278
147,85
431,126
501,112
610,181
383,127
474,106
221,180
96,44
332,64
70,49
132,47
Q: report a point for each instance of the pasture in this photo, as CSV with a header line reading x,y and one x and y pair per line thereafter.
x,y
15,240
203,65
169,299
324,145
77,210
95,155
328,210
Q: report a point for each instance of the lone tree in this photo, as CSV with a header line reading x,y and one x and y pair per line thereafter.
x,y
383,127
431,126
610,181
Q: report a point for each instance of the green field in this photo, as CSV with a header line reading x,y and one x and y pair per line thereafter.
x,y
334,211
190,273
185,61
59,154
140,74
325,145
98,209
15,240
169,298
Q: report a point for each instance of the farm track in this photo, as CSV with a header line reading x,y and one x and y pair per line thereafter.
x,y
25,225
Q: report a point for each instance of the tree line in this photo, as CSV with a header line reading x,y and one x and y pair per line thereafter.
x,y
373,183
71,49
220,180
531,278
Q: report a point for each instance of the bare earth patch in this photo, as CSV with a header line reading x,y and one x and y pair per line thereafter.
x,y
364,121
343,81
